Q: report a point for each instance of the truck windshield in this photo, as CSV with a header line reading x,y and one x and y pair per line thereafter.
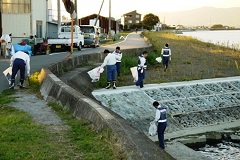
x,y
87,29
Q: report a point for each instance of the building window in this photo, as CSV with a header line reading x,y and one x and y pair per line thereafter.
x,y
129,21
128,16
15,6
137,21
137,16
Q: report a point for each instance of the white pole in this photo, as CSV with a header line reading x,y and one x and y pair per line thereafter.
x,y
109,21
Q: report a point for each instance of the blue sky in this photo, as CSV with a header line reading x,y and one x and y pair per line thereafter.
x,y
120,7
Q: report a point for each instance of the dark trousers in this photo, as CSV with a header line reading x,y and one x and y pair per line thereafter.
x,y
118,65
111,73
141,77
18,64
160,130
165,62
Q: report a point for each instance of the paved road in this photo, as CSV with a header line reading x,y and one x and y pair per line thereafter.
x,y
133,40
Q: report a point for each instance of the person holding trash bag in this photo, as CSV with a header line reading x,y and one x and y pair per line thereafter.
x,y
166,56
19,61
110,61
161,120
142,65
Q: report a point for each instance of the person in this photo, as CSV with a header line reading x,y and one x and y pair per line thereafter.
x,y
110,62
161,120
19,61
166,56
6,44
142,65
118,63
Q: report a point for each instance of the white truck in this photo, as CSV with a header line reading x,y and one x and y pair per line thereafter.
x,y
63,42
91,35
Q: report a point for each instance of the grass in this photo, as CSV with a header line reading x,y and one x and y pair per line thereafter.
x,y
191,60
22,138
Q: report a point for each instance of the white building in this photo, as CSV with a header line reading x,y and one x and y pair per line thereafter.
x,y
24,18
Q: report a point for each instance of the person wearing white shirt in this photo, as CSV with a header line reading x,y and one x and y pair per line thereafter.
x,y
118,63
161,120
19,61
142,65
166,55
110,62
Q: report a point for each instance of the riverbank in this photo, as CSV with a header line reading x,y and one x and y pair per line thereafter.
x,y
191,60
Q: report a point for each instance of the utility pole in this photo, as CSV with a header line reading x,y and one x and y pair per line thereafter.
x,y
59,13
76,19
98,13
109,21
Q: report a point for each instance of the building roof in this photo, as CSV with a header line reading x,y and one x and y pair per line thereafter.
x,y
132,12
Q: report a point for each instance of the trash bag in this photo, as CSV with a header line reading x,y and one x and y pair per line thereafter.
x,y
152,129
159,59
8,73
95,73
134,73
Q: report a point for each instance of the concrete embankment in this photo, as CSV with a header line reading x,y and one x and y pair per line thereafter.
x,y
136,145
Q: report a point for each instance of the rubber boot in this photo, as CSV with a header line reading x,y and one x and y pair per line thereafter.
x,y
114,85
21,86
11,86
108,85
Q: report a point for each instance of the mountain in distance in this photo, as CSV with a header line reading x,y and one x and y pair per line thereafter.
x,y
205,16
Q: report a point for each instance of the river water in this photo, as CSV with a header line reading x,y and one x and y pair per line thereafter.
x,y
222,151
227,38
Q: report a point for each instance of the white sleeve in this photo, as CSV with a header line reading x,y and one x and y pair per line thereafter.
x,y
162,52
157,116
11,61
28,65
142,61
104,62
118,56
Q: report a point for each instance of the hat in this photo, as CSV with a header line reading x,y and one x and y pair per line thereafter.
x,y
106,51
23,43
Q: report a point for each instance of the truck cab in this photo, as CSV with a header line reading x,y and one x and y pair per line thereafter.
x,y
63,42
91,35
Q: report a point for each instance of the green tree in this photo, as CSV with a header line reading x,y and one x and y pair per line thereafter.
x,y
150,20
217,26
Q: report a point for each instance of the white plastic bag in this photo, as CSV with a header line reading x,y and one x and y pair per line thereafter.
x,y
159,59
95,73
8,73
134,73
152,129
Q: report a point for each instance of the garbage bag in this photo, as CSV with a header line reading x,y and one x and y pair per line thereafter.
x,y
134,73
95,73
152,129
8,73
159,59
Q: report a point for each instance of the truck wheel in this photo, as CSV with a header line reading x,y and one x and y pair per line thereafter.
x,y
79,47
52,48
